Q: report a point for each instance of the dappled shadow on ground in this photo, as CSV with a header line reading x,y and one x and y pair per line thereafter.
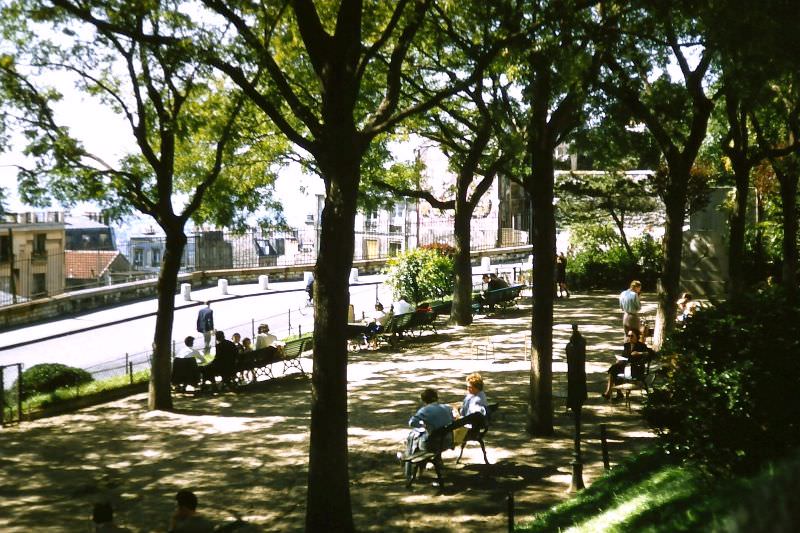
x,y
246,453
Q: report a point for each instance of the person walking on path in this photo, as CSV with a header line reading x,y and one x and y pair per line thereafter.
x,y
630,305
205,325
561,275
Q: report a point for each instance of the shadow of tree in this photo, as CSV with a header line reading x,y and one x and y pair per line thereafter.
x,y
247,452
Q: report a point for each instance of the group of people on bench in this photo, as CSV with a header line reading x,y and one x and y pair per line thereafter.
x,y
224,363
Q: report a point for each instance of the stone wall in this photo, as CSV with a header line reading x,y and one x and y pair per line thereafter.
x,y
78,302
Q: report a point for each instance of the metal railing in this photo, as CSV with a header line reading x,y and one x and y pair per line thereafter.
x,y
49,275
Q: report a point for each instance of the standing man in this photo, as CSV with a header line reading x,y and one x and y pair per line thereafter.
x,y
561,275
630,305
205,325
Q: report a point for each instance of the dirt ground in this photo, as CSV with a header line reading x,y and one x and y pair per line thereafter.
x,y
245,454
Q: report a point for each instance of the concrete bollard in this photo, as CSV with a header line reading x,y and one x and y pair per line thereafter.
x,y
486,263
223,286
306,277
263,282
186,291
353,275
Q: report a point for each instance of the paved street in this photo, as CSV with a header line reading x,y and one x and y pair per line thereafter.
x,y
282,306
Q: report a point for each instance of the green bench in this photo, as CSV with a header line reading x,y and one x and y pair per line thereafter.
x,y
505,297
396,326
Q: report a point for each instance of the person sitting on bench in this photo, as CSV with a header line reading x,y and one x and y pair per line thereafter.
x,y
474,402
634,353
430,417
493,283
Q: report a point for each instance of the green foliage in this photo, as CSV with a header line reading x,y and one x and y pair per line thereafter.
x,y
601,262
47,377
730,399
421,274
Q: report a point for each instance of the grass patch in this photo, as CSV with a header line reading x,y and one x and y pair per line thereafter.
x,y
65,394
652,493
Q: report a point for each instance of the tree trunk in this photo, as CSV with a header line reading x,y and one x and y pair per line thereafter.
x,y
540,409
160,396
787,177
669,283
461,312
741,171
328,498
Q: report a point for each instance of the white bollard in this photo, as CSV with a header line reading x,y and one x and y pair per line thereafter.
x,y
186,291
223,286
306,277
263,282
530,261
353,275
486,263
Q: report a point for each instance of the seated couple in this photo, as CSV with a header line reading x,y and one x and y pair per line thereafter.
x,y
434,415
635,354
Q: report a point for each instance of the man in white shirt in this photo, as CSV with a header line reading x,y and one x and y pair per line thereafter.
x,y
190,351
630,305
264,337
401,307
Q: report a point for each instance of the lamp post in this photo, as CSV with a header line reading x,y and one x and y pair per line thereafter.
x,y
576,396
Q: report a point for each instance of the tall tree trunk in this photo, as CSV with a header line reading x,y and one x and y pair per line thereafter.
x,y
741,171
669,282
541,185
328,498
461,312
787,173
160,396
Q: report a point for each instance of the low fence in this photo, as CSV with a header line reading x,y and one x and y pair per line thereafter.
x,y
135,366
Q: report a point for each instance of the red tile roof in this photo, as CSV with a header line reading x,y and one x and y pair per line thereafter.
x,y
89,264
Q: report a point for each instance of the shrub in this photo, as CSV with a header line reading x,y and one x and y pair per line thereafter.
x,y
730,399
47,377
421,274
594,267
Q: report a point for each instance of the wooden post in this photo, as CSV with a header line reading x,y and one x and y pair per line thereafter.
x,y
604,446
510,512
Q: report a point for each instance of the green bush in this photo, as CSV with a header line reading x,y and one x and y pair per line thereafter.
x,y
729,401
421,274
611,267
47,377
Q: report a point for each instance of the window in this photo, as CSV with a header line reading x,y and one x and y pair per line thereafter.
x,y
156,257
395,248
39,244
371,249
138,257
39,288
5,251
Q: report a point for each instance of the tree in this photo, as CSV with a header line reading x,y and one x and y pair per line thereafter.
x,y
333,82
463,127
612,194
183,124
675,112
555,63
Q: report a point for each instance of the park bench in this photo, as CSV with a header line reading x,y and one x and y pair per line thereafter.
x,y
257,362
185,372
477,431
636,381
438,441
395,327
290,355
505,297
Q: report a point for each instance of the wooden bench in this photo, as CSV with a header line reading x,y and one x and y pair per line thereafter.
x,y
185,372
437,442
292,350
396,326
505,297
644,383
